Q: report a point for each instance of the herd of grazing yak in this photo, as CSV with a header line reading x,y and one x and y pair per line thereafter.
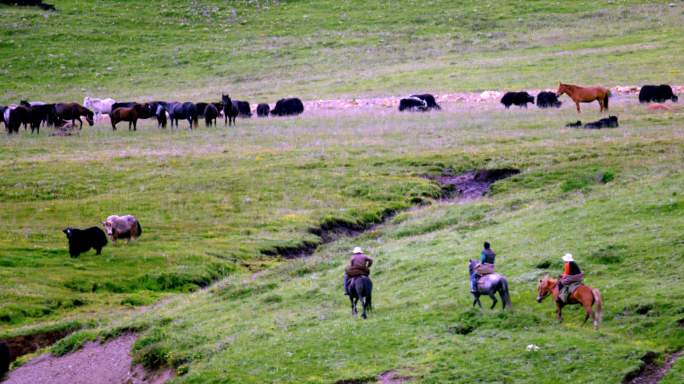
x,y
34,114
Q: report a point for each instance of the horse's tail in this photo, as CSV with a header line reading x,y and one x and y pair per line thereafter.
x,y
369,291
599,305
504,293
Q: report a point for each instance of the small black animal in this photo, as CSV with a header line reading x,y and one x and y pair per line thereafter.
x,y
263,110
429,101
5,359
287,107
412,104
576,124
30,3
517,98
243,107
81,240
210,115
657,93
548,100
609,122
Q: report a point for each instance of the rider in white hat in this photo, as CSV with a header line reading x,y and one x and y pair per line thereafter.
x,y
359,265
572,276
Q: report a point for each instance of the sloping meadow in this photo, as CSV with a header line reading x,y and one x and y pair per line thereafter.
x,y
612,198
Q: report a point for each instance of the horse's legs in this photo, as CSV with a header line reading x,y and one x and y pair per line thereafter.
x,y
578,108
135,125
559,315
353,305
494,300
364,301
589,311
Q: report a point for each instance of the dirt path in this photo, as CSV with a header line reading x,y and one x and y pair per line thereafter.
x,y
108,363
651,372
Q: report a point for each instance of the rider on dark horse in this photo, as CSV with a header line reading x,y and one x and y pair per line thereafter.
x,y
570,279
359,265
485,267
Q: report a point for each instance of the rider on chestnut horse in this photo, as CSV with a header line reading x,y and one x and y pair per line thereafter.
x,y
570,279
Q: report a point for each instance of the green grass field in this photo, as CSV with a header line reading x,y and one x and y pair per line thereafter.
x,y
214,202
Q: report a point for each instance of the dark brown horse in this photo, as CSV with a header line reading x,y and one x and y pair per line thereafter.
x,y
73,112
585,95
130,114
584,295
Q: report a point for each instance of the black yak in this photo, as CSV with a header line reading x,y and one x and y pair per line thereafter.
x,y
81,240
517,98
609,122
287,107
412,104
263,110
548,100
429,101
657,93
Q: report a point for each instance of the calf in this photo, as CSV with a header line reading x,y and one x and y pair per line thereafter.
x,y
609,122
517,98
548,100
429,101
412,104
263,110
122,227
81,240
576,124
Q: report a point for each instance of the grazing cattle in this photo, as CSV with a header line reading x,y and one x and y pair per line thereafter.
x,y
130,114
99,106
517,98
122,227
287,107
243,107
5,359
73,112
185,111
548,100
210,115
81,240
263,110
576,124
230,111
412,104
609,122
657,93
429,101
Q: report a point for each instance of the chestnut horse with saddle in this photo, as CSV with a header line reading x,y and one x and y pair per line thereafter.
x,y
585,95
584,295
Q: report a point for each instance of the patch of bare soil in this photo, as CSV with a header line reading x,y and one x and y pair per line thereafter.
x,y
95,363
391,377
650,372
473,184
22,345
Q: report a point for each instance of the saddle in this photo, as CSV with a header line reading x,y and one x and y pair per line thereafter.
x,y
484,269
569,286
356,271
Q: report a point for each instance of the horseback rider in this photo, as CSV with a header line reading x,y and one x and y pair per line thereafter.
x,y
570,279
359,265
485,267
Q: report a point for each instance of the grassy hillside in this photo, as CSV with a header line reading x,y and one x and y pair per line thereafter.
x,y
260,50
215,203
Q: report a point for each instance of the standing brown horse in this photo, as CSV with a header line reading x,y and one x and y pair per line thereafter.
x,y
585,95
132,114
584,295
73,112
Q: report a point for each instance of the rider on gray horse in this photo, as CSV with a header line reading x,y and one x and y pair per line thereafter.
x,y
485,267
359,265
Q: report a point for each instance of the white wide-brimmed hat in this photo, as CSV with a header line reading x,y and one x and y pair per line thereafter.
x,y
568,257
357,250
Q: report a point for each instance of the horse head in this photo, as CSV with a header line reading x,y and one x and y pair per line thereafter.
x,y
545,288
471,265
562,88
89,116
